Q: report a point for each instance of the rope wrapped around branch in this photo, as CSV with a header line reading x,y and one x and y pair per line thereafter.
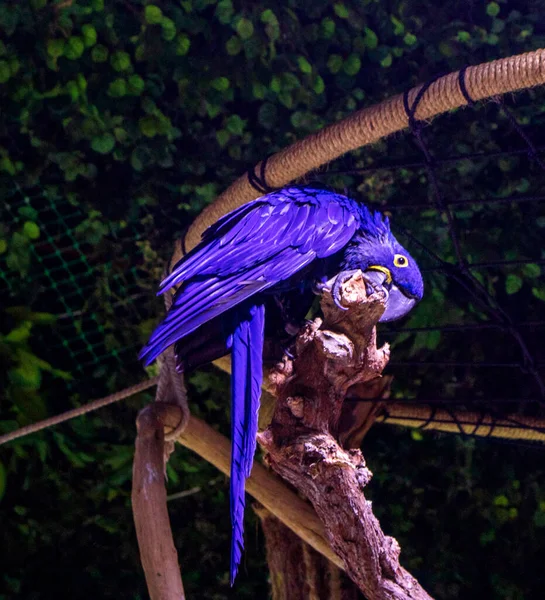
x,y
371,124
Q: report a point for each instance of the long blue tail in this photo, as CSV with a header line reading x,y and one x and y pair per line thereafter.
x,y
246,378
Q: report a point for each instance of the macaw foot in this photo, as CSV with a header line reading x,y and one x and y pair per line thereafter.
x,y
341,279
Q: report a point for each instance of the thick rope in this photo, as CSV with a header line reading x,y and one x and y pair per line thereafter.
x,y
404,415
78,412
369,125
467,423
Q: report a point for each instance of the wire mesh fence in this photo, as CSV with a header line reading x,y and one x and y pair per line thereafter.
x,y
474,220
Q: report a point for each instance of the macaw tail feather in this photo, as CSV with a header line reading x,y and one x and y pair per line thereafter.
x,y
246,379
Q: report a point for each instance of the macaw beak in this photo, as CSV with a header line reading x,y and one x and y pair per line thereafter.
x,y
397,303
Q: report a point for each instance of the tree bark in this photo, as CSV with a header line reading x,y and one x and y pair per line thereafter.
x,y
149,501
296,570
333,356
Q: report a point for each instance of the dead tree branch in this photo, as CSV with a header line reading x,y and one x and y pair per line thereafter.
x,y
149,501
333,356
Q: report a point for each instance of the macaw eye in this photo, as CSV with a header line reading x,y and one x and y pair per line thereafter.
x,y
400,261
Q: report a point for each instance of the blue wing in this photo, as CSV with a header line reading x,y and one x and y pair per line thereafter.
x,y
250,250
246,379
246,252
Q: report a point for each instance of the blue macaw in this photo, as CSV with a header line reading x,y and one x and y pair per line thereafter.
x,y
252,261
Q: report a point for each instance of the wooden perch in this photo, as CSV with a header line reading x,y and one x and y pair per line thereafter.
x,y
333,356
149,501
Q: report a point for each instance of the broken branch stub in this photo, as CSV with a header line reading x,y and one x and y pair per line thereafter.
x,y
332,355
149,501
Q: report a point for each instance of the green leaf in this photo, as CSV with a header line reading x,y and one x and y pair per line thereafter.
x,y
117,88
341,11
327,27
55,47
153,14
224,11
89,35
81,82
399,28
275,85
120,61
223,136
304,65
268,16
74,48
235,125
259,90
463,36
183,43
31,230
352,65
386,61
531,270
513,283
103,144
245,29
72,89
539,293
370,38
493,9
220,83
318,86
3,246
212,110
41,318
410,39
501,500
169,29
233,45
99,54
148,126
335,63
136,85
20,334
27,375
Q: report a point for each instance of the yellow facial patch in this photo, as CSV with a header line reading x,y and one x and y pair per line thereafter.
x,y
401,261
384,270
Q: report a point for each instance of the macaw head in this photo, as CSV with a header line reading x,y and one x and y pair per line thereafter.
x,y
387,264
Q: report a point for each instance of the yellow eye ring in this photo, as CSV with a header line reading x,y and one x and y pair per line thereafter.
x,y
401,261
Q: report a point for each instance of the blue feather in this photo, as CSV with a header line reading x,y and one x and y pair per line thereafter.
x,y
246,379
282,241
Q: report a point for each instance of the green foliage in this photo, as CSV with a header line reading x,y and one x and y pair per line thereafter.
x,y
119,125
153,14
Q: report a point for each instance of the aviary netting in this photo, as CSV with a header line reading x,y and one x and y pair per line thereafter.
x,y
495,332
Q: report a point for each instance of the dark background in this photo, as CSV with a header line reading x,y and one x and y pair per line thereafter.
x,y
119,122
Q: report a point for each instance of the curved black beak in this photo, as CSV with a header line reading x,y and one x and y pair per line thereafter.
x,y
397,303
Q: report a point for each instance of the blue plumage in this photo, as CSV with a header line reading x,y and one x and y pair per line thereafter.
x,y
284,242
246,379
